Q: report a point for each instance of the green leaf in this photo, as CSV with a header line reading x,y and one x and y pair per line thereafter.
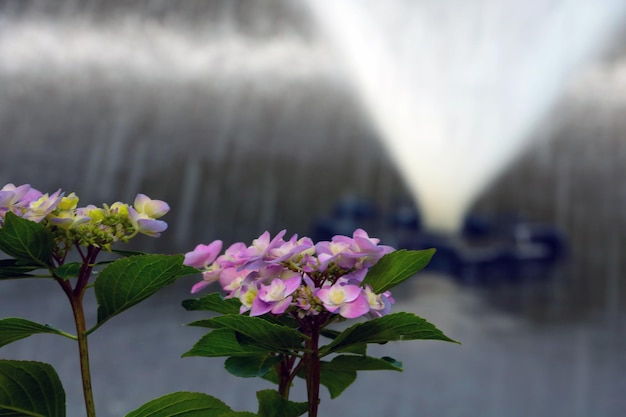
x,y
12,329
14,268
26,240
128,281
335,380
251,366
69,270
365,363
30,389
392,327
341,372
396,267
204,323
238,414
127,253
261,333
188,404
223,342
271,404
213,302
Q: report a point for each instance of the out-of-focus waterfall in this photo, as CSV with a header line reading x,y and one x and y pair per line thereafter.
x,y
456,88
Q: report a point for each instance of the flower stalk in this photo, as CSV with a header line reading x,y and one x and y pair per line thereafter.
x,y
312,360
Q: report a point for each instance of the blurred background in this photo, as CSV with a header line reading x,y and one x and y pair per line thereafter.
x,y
492,131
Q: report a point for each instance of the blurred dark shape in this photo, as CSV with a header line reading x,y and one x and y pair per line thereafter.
x,y
488,249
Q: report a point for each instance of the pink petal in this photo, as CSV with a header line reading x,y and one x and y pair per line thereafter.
x,y
356,308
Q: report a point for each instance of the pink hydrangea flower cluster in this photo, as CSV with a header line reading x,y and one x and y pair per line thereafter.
x,y
298,276
89,225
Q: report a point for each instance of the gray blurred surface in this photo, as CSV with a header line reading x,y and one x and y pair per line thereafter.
x,y
506,366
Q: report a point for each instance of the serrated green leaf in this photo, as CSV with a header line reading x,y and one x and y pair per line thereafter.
x,y
30,389
393,327
365,363
250,366
335,380
26,240
223,342
178,404
260,332
271,404
396,267
69,270
204,323
12,329
272,376
128,281
341,371
14,268
127,253
213,302
238,414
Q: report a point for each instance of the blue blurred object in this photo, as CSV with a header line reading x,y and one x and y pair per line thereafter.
x,y
488,249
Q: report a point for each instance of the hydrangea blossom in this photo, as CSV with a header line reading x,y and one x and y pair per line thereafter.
x,y
89,225
296,276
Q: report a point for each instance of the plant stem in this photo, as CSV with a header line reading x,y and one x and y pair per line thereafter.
x,y
75,297
83,351
312,361
284,377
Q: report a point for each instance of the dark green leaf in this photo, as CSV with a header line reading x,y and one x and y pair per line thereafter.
x,y
281,320
396,267
26,240
341,372
250,366
259,332
128,281
271,404
397,326
330,333
30,389
127,253
365,363
14,268
238,414
204,323
178,404
213,302
12,329
272,376
223,342
69,270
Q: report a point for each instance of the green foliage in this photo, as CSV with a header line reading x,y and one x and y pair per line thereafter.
x,y
12,329
213,302
69,270
341,371
259,333
30,389
188,404
12,268
26,241
396,267
128,281
251,366
223,342
397,326
271,404
195,404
